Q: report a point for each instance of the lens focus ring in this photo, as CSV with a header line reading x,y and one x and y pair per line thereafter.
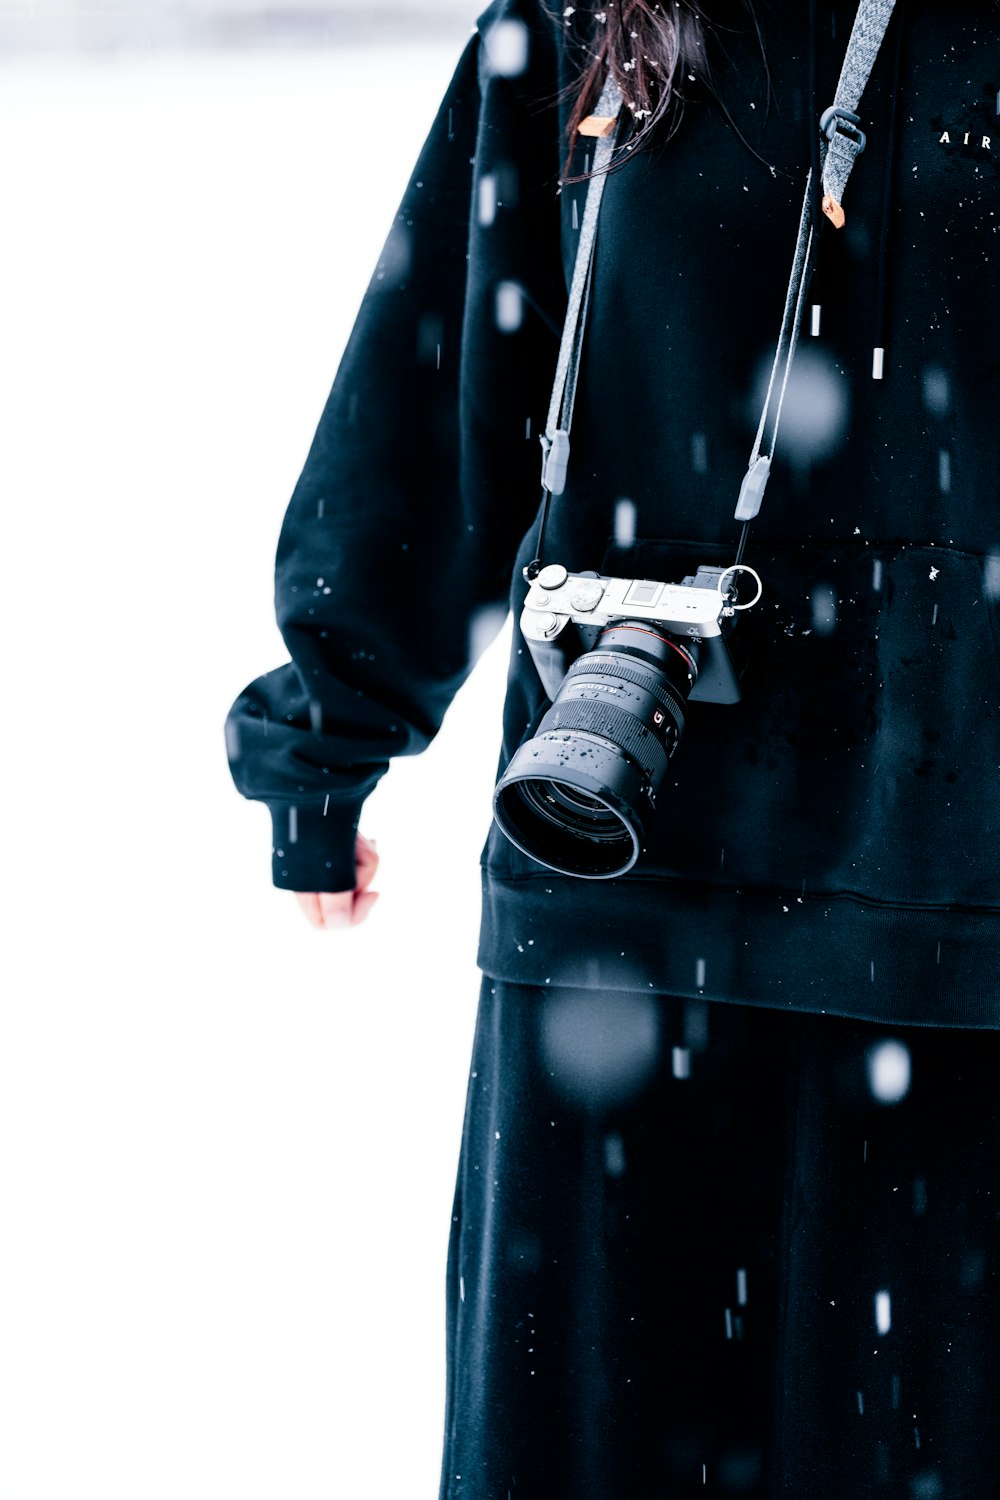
x,y
609,722
617,665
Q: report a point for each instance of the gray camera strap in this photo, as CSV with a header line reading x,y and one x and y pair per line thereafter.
x,y
555,440
843,141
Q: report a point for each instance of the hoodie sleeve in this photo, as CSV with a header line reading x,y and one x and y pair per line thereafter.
x,y
395,554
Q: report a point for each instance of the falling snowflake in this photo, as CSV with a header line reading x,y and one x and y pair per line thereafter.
x,y
888,1067
883,1312
506,47
625,517
508,306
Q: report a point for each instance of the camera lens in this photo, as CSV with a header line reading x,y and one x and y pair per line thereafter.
x,y
579,796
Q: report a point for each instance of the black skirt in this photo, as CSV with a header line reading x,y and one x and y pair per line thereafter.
x,y
714,1250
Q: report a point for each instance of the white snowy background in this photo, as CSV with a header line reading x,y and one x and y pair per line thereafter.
x,y
228,1141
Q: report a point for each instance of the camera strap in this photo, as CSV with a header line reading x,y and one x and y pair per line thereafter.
x,y
555,439
842,143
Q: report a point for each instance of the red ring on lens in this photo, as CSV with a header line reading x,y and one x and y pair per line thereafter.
x,y
641,630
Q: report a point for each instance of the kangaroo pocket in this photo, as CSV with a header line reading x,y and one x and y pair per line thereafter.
x,y
865,754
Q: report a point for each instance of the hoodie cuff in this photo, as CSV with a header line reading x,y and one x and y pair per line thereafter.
x,y
313,850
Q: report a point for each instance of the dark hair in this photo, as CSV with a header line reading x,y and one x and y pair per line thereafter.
x,y
651,49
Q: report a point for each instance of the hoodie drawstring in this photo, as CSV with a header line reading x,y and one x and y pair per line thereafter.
x,y
812,116
888,172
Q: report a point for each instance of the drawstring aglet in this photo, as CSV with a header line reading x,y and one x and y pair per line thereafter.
x,y
833,211
597,125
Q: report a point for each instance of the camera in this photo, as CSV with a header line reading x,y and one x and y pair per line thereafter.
x,y
580,795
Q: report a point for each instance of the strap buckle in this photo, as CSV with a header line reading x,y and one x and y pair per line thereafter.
x,y
836,119
555,459
546,443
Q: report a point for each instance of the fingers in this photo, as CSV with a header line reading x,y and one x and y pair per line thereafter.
x,y
340,909
309,902
363,903
346,908
365,861
336,910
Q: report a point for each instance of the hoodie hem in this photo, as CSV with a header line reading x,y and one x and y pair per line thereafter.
x,y
833,955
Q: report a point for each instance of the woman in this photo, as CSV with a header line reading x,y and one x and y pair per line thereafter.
x,y
725,1220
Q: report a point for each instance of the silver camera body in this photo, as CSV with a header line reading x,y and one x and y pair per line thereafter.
x,y
696,611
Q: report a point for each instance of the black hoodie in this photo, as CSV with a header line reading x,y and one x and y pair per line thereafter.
x,y
831,842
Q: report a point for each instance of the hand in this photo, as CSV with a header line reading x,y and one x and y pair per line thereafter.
x,y
345,908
